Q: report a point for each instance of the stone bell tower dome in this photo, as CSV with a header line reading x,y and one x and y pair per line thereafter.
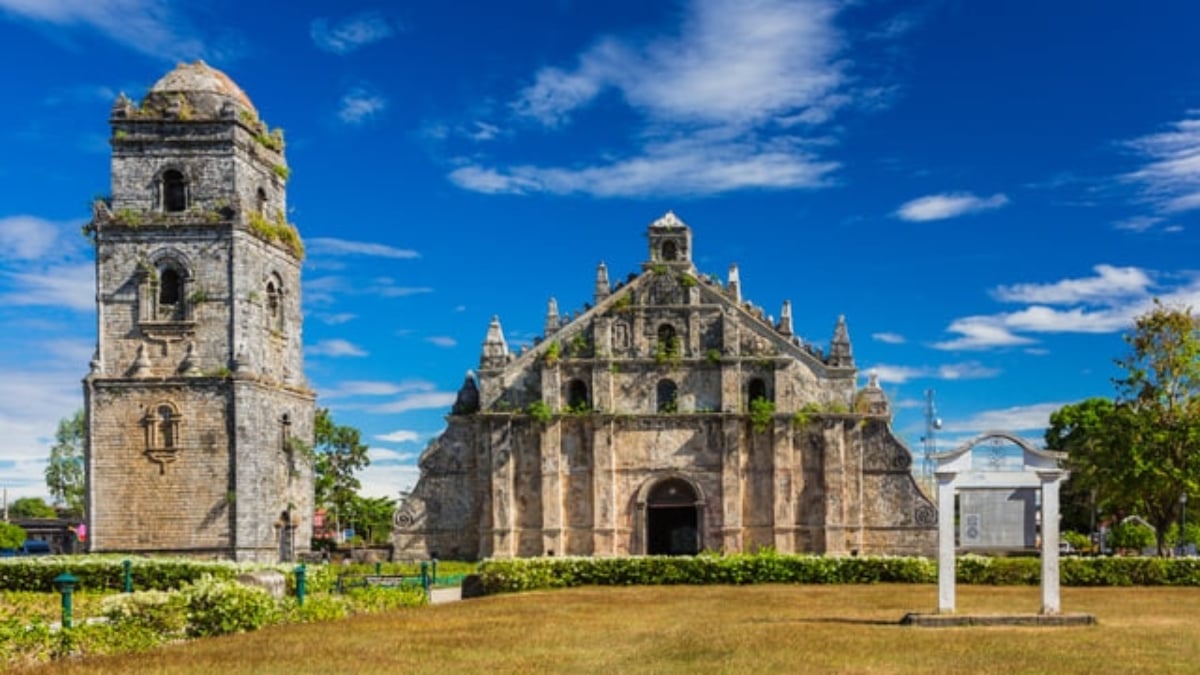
x,y
199,415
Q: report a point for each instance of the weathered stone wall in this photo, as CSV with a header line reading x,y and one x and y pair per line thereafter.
x,y
183,501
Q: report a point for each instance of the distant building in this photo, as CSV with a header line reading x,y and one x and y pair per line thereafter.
x,y
668,417
199,418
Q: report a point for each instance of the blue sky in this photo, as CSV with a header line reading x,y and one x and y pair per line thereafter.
x,y
988,191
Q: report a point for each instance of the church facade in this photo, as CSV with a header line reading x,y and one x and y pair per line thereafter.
x,y
199,418
668,417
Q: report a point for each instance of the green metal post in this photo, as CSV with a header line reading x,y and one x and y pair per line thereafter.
x,y
425,577
127,565
300,573
434,574
65,583
378,568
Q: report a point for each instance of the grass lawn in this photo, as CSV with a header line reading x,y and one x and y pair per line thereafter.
x,y
717,629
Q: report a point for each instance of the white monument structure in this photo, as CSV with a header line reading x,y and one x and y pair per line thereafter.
x,y
998,498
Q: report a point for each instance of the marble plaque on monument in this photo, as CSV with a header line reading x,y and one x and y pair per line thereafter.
x,y
997,519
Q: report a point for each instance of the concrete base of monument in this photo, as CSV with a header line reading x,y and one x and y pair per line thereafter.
x,y
954,620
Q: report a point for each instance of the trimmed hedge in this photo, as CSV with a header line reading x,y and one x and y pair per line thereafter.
x,y
525,574
99,574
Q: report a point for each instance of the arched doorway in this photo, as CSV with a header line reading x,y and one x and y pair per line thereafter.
x,y
672,519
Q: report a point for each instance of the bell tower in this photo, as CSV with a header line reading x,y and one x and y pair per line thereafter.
x,y
199,415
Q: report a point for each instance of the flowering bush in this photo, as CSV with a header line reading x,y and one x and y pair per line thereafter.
x,y
218,607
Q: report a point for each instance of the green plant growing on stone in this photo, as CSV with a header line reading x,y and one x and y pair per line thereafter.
x,y
580,346
282,171
762,414
687,281
837,408
803,417
553,353
669,352
278,231
658,270
713,356
623,303
539,411
129,217
198,296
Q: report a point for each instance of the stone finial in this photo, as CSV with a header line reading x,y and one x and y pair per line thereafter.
x,y
735,283
603,289
189,366
785,318
495,349
95,364
141,364
552,320
668,221
872,400
840,354
467,401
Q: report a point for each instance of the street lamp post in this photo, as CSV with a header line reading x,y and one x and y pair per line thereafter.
x,y
1183,524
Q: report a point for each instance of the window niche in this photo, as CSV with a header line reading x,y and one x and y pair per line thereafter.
x,y
666,396
578,399
274,307
173,191
163,292
756,390
161,426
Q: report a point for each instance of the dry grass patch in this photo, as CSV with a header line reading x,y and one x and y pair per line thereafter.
x,y
711,629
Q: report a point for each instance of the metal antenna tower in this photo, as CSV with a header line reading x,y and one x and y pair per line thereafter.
x,y
932,424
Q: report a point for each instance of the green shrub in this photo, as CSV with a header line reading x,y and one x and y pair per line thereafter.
x,y
1131,535
219,607
11,536
158,611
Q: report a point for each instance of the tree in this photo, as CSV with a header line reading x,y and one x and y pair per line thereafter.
x,y
64,471
31,507
372,517
1083,430
11,536
1140,452
339,453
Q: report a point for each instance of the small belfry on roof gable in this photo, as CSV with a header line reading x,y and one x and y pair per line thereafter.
x,y
670,241
603,288
495,349
785,319
552,320
840,355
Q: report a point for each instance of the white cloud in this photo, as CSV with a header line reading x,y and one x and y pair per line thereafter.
x,y
1137,223
1111,284
335,319
1170,178
696,165
335,348
387,479
889,338
387,288
351,33
388,455
374,388
399,436
981,332
441,340
719,101
948,205
969,370
331,246
148,26
360,105
416,401
1018,418
70,285
26,237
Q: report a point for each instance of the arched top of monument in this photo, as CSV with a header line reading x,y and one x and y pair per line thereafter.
x,y
205,90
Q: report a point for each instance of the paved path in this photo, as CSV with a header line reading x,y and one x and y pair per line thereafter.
x,y
439,596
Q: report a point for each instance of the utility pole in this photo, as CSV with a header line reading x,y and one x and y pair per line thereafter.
x,y
929,443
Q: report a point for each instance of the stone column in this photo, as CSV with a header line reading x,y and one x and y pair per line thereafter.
x,y
785,515
503,541
945,496
836,487
1051,480
551,492
731,486
605,503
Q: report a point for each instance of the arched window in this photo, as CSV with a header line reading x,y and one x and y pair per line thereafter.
x,y
669,251
665,396
162,427
174,191
666,334
171,305
577,396
260,202
275,303
757,390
